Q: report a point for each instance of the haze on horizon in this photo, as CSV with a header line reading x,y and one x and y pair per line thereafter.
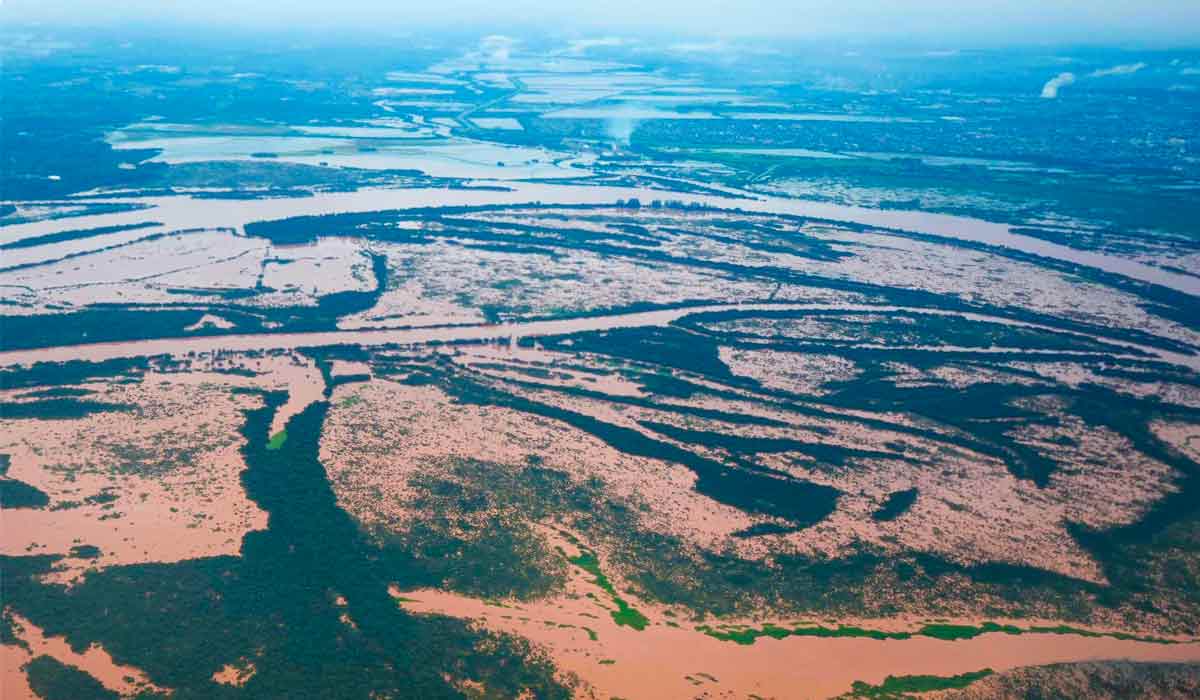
x,y
1165,22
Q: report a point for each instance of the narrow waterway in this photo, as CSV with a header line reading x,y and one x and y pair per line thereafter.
x,y
97,352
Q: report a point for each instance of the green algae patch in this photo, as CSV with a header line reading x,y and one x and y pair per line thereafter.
x,y
942,631
629,617
956,632
747,635
625,614
1124,636
898,687
277,440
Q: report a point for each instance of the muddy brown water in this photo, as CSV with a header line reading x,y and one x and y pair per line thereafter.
x,y
185,212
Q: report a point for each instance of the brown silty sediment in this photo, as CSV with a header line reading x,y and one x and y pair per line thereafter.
x,y
235,674
1184,437
445,282
1016,522
672,658
971,508
801,373
95,661
159,482
373,446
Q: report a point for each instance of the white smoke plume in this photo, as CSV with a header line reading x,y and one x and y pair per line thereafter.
x,y
578,47
496,48
620,127
1052,86
1123,69
1050,89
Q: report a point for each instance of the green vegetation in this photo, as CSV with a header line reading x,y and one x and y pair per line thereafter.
x,y
796,500
108,325
85,551
272,603
57,393
74,235
848,329
476,538
8,630
1100,189
51,679
58,409
72,372
663,569
277,440
1067,629
18,494
1092,679
900,687
624,614
747,635
116,322
897,504
945,632
949,632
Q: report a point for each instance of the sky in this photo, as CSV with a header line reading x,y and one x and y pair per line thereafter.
x,y
1171,22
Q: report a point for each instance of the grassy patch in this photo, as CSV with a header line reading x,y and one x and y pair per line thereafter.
x,y
895,687
957,632
747,635
277,440
942,631
624,614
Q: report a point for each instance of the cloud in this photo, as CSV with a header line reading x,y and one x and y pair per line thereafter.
x,y
1050,89
1123,69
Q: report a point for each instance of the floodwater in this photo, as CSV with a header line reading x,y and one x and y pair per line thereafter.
x,y
408,148
670,658
823,117
786,152
94,661
185,212
663,661
97,352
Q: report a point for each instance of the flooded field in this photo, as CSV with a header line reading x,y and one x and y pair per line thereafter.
x,y
182,212
523,367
